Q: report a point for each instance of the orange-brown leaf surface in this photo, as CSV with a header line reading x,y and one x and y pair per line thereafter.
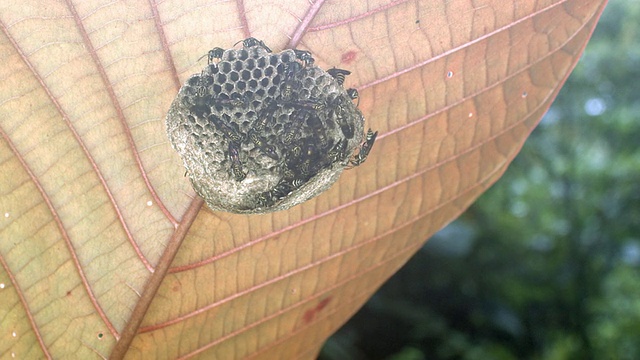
x,y
105,250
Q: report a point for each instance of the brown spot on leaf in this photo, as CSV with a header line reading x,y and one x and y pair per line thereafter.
x,y
310,314
323,303
348,57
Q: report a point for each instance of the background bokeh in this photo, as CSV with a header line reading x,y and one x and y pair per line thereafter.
x,y
546,264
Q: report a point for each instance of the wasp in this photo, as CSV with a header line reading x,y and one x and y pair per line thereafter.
x,y
309,104
308,169
338,150
353,95
295,153
292,129
279,192
265,199
261,144
309,163
236,165
288,174
290,132
296,183
237,100
341,114
319,132
365,148
215,53
251,42
261,124
229,132
264,116
304,56
291,69
290,72
347,129
304,169
282,189
338,74
201,91
310,151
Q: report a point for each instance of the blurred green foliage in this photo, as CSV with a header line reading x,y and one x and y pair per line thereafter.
x,y
546,264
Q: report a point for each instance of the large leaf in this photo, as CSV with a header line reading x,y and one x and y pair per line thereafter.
x,y
105,249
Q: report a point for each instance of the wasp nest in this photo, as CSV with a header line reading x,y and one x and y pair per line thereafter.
x,y
261,132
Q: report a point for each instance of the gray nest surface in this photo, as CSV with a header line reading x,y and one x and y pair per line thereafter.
x,y
261,131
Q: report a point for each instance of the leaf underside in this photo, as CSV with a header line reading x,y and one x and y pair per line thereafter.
x,y
107,252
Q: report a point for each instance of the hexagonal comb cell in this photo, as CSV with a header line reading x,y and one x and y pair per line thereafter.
x,y
261,131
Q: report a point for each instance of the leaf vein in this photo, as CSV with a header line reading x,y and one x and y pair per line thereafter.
x,y
114,100
25,305
461,47
64,234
